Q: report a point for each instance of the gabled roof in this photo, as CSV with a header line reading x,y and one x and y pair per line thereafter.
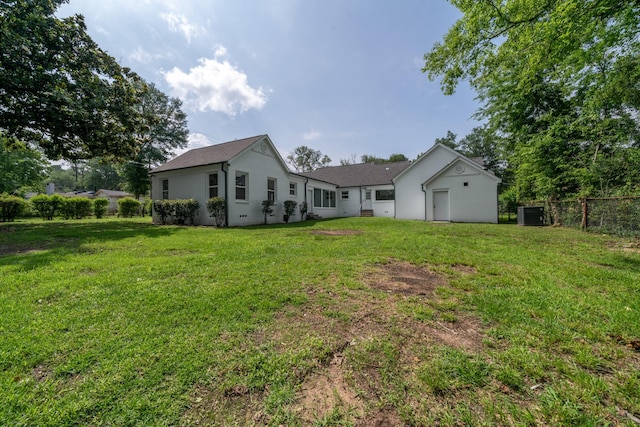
x,y
358,175
213,154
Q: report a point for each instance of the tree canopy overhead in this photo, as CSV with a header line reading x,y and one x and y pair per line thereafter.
x,y
559,79
58,90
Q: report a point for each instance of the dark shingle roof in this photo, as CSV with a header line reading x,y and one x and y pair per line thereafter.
x,y
209,155
359,175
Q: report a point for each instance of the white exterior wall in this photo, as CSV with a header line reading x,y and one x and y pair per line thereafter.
x,y
351,206
261,166
475,202
385,208
410,199
190,183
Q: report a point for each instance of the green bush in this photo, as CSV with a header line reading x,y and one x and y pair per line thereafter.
x,y
303,210
10,207
100,206
267,208
186,210
164,208
217,207
76,207
146,207
47,206
128,207
289,209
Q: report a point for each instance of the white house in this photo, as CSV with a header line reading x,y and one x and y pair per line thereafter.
x,y
113,196
441,185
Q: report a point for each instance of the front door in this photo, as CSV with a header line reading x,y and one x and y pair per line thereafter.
x,y
367,200
441,205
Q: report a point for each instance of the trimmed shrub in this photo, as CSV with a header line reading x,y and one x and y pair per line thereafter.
x,y
186,210
128,207
217,207
289,209
267,208
76,208
303,210
47,206
164,208
100,206
10,207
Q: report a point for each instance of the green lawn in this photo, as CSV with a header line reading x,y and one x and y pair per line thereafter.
x,y
353,321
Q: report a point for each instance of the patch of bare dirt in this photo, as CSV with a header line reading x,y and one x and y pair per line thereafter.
x,y
41,373
238,407
381,418
336,232
346,322
404,278
326,390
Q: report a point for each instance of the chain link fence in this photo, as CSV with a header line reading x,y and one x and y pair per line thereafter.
x,y
612,215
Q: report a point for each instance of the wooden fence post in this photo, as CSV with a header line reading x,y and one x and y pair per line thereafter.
x,y
585,214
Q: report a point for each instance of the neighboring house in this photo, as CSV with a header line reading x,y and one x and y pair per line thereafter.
x,y
441,185
113,196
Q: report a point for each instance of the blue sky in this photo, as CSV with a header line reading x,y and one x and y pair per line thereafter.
x,y
340,76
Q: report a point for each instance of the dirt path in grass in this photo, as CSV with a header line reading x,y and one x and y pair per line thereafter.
x,y
348,382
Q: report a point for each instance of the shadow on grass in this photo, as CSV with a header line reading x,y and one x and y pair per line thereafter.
x,y
37,243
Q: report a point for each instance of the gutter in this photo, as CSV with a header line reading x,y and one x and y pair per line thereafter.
x,y
425,202
226,193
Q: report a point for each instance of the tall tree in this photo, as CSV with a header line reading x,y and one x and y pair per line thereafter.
x,y
59,90
21,169
558,79
449,140
367,158
305,159
482,142
163,130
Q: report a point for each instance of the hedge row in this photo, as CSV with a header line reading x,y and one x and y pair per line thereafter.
x,y
180,211
10,207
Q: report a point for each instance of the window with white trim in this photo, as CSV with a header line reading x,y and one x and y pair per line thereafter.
x,y
271,189
344,195
324,198
293,188
242,182
213,185
165,189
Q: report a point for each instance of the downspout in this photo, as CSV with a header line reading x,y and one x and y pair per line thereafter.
x,y
425,202
395,203
226,194
306,180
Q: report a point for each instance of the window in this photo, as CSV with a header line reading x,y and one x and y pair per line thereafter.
x,y
344,195
271,189
293,188
324,198
385,194
241,186
213,185
165,189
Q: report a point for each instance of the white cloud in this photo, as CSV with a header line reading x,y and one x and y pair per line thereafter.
x,y
179,23
144,56
194,140
215,85
313,134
